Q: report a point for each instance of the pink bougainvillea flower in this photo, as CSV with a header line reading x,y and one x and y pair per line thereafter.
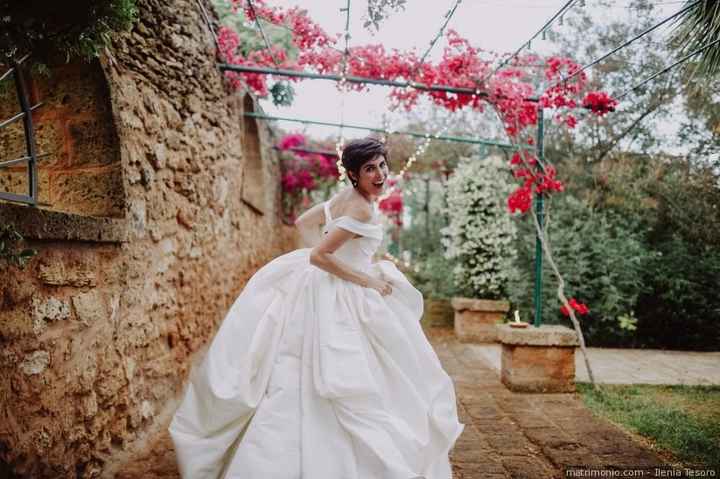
x,y
291,141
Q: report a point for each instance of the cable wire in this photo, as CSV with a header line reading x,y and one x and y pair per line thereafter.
x,y
667,69
262,33
448,16
560,12
616,49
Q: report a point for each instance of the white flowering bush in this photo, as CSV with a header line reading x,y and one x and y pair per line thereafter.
x,y
481,234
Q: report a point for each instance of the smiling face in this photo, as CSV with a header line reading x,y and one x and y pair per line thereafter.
x,y
372,176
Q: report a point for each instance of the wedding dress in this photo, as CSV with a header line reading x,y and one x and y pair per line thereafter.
x,y
313,377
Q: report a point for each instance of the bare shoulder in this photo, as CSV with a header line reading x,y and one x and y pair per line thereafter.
x,y
360,210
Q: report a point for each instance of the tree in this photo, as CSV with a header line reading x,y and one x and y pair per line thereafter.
x,y
699,26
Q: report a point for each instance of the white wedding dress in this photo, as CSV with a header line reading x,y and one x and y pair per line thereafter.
x,y
313,377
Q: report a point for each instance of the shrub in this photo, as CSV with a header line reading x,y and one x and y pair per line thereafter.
x,y
602,257
480,236
68,29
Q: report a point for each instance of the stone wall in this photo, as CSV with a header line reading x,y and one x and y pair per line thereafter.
x,y
80,169
96,333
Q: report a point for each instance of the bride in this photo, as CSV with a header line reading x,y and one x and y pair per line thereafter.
x,y
320,369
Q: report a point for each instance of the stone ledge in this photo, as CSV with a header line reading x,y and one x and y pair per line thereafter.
x,y
544,335
36,223
461,304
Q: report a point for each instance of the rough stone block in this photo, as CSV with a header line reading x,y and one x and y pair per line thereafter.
x,y
92,141
538,359
90,307
96,192
58,271
545,335
35,362
15,180
476,319
50,309
438,313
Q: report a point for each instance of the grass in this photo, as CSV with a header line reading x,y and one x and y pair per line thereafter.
x,y
681,420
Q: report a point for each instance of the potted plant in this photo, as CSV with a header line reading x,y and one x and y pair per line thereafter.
x,y
480,240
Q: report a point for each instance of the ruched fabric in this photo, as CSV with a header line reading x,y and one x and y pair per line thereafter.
x,y
314,377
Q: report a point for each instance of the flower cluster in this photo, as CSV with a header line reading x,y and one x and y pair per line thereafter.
x,y
306,34
291,141
599,102
392,205
524,166
304,172
581,308
461,66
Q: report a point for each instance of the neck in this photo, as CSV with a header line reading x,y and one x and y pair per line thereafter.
x,y
370,198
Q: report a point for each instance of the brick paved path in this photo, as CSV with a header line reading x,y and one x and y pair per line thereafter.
x,y
507,435
514,435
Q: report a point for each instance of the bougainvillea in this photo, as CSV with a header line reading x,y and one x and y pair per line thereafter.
x,y
392,204
579,307
599,102
509,91
304,171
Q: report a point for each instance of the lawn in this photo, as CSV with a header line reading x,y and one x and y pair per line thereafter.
x,y
681,422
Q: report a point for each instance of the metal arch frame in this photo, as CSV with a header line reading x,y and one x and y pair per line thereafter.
x,y
31,148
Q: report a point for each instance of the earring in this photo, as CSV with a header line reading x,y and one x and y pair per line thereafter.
x,y
354,182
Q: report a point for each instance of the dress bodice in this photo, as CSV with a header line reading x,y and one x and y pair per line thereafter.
x,y
358,251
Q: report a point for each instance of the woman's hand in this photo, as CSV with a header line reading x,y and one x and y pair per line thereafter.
x,y
382,286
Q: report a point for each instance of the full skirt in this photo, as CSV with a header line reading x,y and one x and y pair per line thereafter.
x,y
314,377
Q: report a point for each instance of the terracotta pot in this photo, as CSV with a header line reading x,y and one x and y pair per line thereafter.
x,y
476,319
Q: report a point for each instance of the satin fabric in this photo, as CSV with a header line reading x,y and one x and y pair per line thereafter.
x,y
314,377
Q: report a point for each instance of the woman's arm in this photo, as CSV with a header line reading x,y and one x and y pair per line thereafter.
x,y
309,223
322,257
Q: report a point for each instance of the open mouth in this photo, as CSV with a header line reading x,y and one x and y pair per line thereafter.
x,y
379,184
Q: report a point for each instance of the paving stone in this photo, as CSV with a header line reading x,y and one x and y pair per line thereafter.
x,y
518,435
527,467
507,435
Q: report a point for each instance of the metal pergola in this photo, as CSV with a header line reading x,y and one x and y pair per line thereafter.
x,y
539,144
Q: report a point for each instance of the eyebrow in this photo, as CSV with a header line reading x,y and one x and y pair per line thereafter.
x,y
370,165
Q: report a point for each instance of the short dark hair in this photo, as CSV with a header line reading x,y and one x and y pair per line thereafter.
x,y
358,152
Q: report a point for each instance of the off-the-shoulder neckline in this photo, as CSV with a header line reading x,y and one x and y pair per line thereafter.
x,y
357,221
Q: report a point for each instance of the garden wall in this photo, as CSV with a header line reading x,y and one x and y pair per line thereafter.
x,y
140,258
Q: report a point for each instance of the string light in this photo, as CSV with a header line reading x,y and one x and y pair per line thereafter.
x,y
343,90
419,150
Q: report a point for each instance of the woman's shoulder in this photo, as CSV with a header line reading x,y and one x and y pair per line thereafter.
x,y
360,211
346,205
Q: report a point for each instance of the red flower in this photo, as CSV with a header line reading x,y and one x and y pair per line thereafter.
x,y
599,102
393,204
521,199
581,308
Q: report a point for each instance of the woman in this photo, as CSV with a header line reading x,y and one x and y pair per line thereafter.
x,y
320,370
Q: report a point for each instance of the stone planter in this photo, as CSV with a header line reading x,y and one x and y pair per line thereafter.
x,y
476,319
538,359
438,313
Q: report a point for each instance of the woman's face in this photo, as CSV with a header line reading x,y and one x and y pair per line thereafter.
x,y
373,176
